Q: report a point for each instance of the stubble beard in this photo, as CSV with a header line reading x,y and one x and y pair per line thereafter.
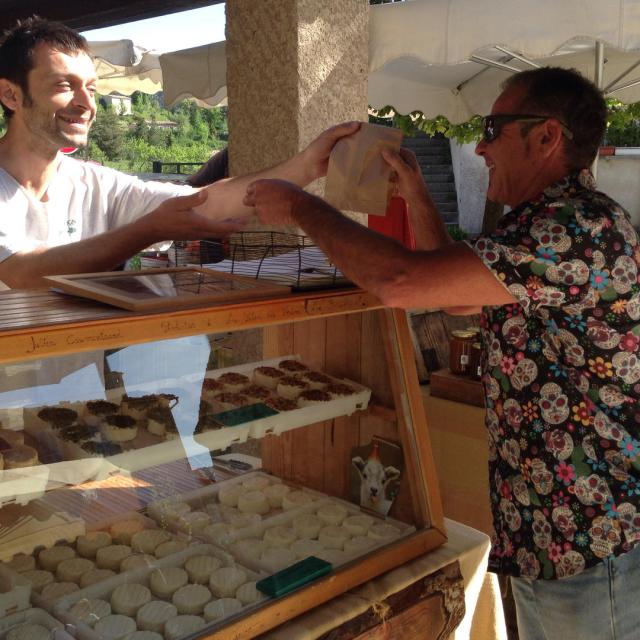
x,y
51,133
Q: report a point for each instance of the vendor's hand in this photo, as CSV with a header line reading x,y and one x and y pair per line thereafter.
x,y
316,155
408,175
275,200
175,219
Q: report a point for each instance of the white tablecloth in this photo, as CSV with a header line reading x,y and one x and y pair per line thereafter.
x,y
483,620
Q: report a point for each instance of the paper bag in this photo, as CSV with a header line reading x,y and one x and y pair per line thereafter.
x,y
358,176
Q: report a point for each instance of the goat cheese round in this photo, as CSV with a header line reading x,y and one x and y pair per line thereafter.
x,y
115,627
153,615
224,581
191,599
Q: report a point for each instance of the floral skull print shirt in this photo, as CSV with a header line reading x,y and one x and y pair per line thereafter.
x,y
561,372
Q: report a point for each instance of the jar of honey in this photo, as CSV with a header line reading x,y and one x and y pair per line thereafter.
x,y
460,343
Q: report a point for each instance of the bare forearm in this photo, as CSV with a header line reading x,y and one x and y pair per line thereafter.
x,y
363,255
449,276
428,226
225,196
100,253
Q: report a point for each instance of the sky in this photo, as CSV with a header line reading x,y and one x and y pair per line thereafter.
x,y
171,32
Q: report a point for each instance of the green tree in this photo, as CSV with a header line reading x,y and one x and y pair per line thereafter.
x,y
139,128
199,127
108,132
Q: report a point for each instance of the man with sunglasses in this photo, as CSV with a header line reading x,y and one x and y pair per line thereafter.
x,y
558,286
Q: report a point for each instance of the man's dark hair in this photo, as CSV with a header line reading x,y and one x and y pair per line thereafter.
x,y
216,168
568,96
18,44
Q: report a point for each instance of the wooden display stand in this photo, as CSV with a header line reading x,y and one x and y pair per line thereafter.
x,y
343,333
450,386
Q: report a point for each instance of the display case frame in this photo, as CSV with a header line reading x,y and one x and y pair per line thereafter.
x,y
36,325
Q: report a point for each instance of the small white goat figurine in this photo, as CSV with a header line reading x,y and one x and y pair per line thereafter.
x,y
374,478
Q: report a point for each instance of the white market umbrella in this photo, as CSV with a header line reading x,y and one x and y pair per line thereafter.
x,y
449,57
123,67
199,72
118,52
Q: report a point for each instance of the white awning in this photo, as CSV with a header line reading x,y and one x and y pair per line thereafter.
x,y
438,56
441,57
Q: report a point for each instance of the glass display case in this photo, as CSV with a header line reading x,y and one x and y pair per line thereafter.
x,y
207,472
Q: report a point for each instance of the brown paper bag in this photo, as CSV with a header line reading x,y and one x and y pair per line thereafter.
x,y
358,176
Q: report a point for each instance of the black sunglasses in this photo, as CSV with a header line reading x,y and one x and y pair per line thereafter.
x,y
492,125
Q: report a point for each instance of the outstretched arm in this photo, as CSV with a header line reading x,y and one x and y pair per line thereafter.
x,y
225,196
174,219
450,276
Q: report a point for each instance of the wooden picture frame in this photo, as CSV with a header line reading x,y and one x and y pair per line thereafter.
x,y
165,289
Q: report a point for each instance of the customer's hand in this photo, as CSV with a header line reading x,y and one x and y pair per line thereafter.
x,y
408,175
275,201
175,219
316,155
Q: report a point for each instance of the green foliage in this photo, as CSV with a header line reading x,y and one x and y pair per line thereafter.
x,y
108,133
140,153
456,232
469,131
623,124
184,133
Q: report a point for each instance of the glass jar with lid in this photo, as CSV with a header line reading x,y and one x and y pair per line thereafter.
x,y
460,344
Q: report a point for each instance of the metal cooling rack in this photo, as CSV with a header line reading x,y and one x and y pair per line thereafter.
x,y
282,258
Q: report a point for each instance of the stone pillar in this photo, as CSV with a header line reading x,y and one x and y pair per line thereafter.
x,y
294,68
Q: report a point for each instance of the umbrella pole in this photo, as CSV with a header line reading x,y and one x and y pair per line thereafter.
x,y
599,82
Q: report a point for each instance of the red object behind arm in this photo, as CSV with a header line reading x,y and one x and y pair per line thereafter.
x,y
395,223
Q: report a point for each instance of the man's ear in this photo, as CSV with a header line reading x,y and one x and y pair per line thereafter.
x,y
10,94
549,137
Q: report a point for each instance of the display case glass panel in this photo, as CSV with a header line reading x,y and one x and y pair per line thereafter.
x,y
233,478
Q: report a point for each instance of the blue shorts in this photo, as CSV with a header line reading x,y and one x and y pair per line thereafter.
x,y
601,603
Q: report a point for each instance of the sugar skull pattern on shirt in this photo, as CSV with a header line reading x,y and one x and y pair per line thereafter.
x,y
561,371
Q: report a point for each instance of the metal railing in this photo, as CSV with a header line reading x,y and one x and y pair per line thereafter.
x,y
158,166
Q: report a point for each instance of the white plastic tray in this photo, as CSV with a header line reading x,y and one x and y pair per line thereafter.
x,y
78,466
198,499
104,589
102,525
34,616
15,592
287,420
36,525
285,518
81,466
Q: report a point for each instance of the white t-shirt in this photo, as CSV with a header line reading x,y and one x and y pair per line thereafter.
x,y
84,199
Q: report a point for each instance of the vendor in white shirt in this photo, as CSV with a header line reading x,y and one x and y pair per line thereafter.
x,y
61,215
